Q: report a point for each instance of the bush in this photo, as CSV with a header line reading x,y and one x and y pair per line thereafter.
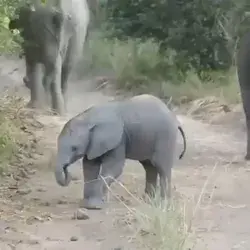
x,y
9,43
204,33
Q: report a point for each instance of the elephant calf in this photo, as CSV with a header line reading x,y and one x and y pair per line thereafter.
x,y
141,128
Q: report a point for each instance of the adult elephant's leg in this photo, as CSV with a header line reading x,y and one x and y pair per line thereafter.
x,y
36,87
245,93
151,177
92,195
243,70
26,78
47,82
67,66
56,91
66,69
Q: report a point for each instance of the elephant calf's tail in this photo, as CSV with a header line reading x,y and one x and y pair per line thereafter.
x,y
184,142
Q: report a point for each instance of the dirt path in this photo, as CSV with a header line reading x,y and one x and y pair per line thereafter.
x,y
41,216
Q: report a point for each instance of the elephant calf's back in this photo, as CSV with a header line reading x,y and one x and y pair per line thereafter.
x,y
147,121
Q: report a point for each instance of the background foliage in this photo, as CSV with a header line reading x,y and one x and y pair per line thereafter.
x,y
204,33
148,45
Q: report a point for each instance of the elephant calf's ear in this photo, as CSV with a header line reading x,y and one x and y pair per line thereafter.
x,y
104,137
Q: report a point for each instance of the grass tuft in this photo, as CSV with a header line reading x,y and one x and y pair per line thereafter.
x,y
162,225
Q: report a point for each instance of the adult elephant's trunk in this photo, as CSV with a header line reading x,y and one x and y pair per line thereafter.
x,y
62,175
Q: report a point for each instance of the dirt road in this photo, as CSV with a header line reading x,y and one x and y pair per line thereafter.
x,y
40,217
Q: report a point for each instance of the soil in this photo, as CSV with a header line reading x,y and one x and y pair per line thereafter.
x,y
37,213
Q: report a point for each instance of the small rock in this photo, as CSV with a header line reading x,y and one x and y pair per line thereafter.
x,y
62,202
75,178
41,190
81,214
23,173
24,191
100,239
35,199
33,219
73,238
32,171
46,204
33,242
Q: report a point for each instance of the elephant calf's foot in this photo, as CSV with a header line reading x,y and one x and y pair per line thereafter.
x,y
92,203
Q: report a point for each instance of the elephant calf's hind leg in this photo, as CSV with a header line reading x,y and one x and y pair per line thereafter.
x,y
151,177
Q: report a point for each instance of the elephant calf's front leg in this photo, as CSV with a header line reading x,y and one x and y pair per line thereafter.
x,y
112,166
97,179
93,192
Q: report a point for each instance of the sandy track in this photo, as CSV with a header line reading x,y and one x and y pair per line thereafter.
x,y
41,219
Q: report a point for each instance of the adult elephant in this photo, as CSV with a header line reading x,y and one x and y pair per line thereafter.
x,y
243,70
54,36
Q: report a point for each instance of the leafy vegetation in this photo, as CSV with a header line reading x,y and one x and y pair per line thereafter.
x,y
210,29
167,47
170,48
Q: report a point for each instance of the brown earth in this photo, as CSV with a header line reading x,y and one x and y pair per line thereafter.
x,y
37,214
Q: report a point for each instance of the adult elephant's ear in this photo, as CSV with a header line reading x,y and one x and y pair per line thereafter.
x,y
104,136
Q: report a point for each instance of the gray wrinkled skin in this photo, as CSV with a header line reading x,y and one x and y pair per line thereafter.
x,y
243,70
54,37
141,128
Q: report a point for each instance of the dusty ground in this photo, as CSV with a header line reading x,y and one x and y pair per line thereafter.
x,y
39,216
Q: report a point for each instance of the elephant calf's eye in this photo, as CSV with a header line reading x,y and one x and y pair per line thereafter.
x,y
74,149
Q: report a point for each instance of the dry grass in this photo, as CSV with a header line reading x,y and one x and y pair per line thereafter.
x,y
164,225
17,140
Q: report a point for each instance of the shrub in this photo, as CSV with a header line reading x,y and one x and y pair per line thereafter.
x,y
9,42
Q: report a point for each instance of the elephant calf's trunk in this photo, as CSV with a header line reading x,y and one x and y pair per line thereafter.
x,y
63,177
